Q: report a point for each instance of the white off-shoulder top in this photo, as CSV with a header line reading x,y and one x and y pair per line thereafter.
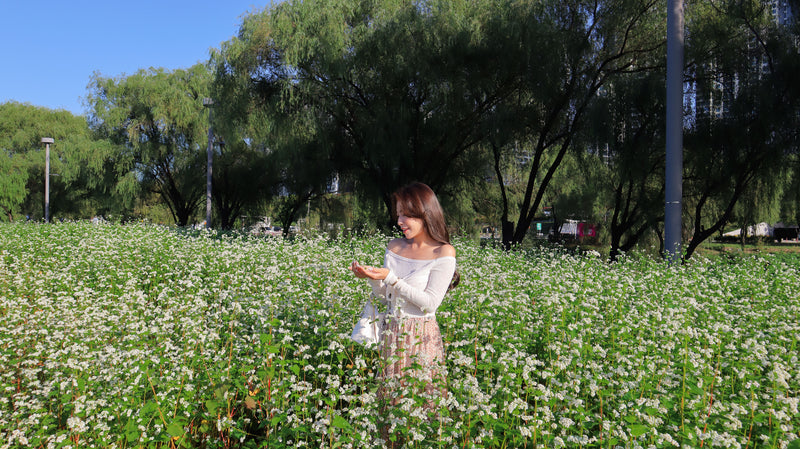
x,y
414,288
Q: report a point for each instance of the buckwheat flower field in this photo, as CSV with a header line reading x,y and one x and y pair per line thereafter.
x,y
144,336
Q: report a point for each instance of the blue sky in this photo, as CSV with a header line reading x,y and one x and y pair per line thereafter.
x,y
50,48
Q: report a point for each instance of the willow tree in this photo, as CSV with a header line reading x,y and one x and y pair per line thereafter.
x,y
83,175
748,105
562,54
12,183
159,116
627,126
382,93
243,180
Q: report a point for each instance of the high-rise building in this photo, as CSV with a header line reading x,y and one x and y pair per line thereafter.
x,y
714,90
781,12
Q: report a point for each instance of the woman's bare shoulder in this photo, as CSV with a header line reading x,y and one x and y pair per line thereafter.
x,y
396,244
445,251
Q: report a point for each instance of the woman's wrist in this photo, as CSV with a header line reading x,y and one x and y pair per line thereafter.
x,y
391,278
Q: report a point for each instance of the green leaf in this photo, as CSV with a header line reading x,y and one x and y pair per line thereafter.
x,y
760,418
131,431
148,409
638,430
340,422
277,418
176,429
204,427
696,390
219,393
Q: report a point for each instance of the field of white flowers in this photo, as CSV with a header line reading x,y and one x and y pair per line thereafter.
x,y
144,336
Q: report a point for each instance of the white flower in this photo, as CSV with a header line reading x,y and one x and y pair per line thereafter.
x,y
565,422
77,425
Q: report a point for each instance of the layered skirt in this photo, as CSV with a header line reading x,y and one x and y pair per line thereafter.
x,y
413,377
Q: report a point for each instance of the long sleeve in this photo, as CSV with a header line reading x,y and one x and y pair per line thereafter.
x,y
429,298
378,290
379,287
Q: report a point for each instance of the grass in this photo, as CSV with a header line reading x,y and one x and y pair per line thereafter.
x,y
713,248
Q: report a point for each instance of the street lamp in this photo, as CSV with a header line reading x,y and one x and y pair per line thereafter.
x,y
209,103
47,141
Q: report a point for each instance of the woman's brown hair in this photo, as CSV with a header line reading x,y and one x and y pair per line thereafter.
x,y
417,200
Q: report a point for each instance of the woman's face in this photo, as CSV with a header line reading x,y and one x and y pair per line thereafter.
x,y
411,227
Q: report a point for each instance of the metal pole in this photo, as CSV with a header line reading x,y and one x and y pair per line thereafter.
x,y
47,141
674,132
209,103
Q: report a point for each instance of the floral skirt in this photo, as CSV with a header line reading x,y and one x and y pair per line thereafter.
x,y
414,367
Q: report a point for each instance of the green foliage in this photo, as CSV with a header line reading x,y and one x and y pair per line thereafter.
x,y
158,118
453,93
626,137
493,104
244,178
790,202
385,91
12,184
746,113
82,175
561,55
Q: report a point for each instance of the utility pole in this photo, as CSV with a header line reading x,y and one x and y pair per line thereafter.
x,y
47,141
674,133
209,103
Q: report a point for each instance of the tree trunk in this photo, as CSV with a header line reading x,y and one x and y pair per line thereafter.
x,y
289,213
700,235
508,235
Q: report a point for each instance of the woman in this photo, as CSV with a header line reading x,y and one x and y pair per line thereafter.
x,y
418,270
